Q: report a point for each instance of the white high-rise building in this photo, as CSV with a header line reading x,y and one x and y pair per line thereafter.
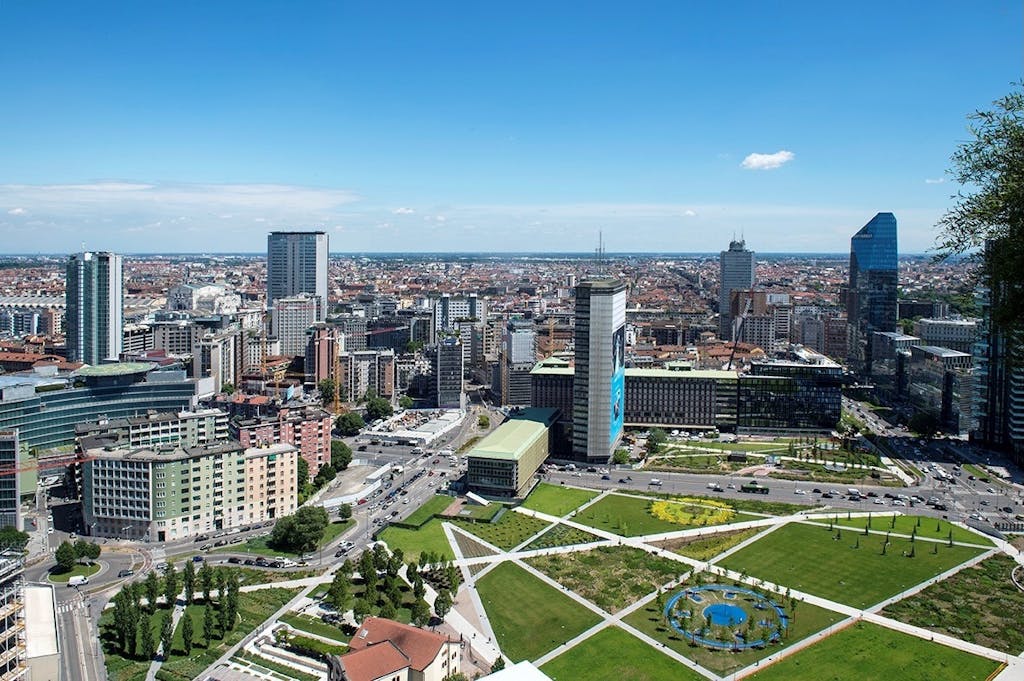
x,y
291,318
95,307
736,273
296,264
599,392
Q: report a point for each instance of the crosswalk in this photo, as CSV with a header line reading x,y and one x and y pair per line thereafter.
x,y
68,606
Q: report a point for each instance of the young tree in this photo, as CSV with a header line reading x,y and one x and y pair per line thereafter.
x,y
208,623
442,604
148,643
65,556
231,600
206,581
171,586
418,589
187,633
992,166
338,593
152,589
388,611
360,610
188,579
420,612
166,634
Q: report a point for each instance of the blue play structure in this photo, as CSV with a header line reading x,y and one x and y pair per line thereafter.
x,y
724,615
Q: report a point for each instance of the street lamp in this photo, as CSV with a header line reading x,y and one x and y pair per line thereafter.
x,y
125,530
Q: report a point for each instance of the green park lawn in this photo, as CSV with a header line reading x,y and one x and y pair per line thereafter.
x,y
561,535
529,617
807,621
511,530
810,558
629,517
78,570
259,546
431,507
929,528
429,537
612,655
611,577
312,625
557,499
706,548
868,651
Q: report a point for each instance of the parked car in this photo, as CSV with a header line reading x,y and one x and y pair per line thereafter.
x,y
234,560
125,573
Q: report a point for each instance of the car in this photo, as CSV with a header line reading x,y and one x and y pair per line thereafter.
x,y
878,502
971,477
606,477
623,481
826,495
990,490
200,538
872,494
405,501
394,514
276,564
221,542
197,559
161,566
816,491
248,561
49,530
125,573
898,502
361,501
799,491
983,502
1007,509
591,469
234,560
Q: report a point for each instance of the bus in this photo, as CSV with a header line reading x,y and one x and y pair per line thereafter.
x,y
754,488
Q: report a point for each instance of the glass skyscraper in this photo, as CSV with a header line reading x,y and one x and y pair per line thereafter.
x,y
95,300
297,263
871,296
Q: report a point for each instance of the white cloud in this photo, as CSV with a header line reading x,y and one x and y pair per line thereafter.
x,y
690,213
403,211
17,211
937,180
767,161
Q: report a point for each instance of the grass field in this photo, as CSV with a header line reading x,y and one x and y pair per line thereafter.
x,y
529,617
561,535
867,651
809,620
929,528
78,570
511,530
611,577
316,626
431,507
557,499
748,504
629,517
429,537
612,655
259,546
979,604
834,569
706,548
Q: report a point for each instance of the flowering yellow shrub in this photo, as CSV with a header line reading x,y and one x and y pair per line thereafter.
x,y
688,511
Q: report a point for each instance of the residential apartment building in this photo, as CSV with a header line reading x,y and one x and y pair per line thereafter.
x,y
168,493
307,428
366,370
185,428
95,307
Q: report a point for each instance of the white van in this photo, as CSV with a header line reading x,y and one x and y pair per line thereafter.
x,y
655,481
78,580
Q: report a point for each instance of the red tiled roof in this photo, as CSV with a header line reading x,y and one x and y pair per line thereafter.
x,y
420,646
373,662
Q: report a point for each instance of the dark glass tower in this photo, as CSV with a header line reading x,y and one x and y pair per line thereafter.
x,y
871,297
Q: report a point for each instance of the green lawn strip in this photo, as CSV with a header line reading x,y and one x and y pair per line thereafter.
x,y
557,499
511,530
629,516
431,507
480,513
868,651
311,625
335,530
259,546
611,577
768,447
247,658
78,570
835,570
808,620
979,604
706,548
816,472
744,504
929,528
561,535
254,608
612,655
429,537
529,617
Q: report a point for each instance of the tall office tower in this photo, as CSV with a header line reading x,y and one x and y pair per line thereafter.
x,y
95,307
517,359
598,400
297,263
448,369
10,493
871,295
448,311
736,272
999,382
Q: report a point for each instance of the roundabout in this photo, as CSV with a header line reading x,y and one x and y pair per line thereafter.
x,y
726,617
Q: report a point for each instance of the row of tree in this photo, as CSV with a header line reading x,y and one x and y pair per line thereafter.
x,y
67,554
132,625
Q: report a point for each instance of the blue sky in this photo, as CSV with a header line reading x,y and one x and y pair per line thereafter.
x,y
201,126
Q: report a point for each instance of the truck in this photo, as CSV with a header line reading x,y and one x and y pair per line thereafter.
x,y
754,488
78,580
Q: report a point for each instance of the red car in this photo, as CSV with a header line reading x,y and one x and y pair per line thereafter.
x,y
362,501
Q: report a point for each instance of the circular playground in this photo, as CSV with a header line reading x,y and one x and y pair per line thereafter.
x,y
726,617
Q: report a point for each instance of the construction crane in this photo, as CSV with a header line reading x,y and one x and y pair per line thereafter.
x,y
738,329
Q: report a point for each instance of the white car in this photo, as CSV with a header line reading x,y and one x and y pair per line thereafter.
x,y
898,502
990,490
799,491
878,502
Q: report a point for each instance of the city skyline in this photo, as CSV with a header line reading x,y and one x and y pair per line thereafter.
x,y
424,129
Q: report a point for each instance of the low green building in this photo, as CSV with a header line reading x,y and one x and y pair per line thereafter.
x,y
503,464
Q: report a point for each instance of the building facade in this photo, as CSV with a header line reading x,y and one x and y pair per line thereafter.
x,y
307,428
871,294
598,407
95,307
448,374
168,493
10,491
736,272
292,318
296,264
504,464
